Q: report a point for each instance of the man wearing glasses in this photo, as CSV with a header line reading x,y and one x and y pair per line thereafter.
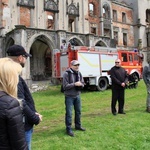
x,y
119,80
73,83
19,55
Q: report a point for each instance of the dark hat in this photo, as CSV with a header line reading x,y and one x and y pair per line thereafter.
x,y
75,62
17,50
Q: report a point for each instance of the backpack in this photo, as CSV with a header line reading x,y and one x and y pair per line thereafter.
x,y
69,78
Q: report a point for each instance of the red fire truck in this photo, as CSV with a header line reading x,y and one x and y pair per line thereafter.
x,y
95,63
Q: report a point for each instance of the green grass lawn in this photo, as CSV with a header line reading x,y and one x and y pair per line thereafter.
x,y
103,130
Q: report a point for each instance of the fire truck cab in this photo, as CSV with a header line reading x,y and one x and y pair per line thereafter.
x,y
95,64
132,62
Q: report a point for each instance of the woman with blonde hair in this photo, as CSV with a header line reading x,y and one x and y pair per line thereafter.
x,y
12,134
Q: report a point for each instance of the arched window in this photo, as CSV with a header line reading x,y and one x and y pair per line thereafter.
x,y
106,11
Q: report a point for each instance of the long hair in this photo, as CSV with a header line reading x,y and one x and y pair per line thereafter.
x,y
9,71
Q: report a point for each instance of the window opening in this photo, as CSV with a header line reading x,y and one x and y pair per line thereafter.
x,y
71,25
93,30
91,9
136,57
130,58
124,57
116,36
106,11
124,39
114,15
123,17
50,22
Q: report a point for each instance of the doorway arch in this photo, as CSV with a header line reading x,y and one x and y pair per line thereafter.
x,y
41,60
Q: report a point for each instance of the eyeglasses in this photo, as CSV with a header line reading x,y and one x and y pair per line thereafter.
x,y
25,56
76,65
117,62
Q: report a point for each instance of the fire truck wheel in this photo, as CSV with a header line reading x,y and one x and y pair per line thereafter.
x,y
102,84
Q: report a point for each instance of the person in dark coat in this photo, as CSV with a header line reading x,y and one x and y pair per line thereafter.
x,y
12,133
73,83
119,79
32,117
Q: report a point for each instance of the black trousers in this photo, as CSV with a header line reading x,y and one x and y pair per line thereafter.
x,y
117,95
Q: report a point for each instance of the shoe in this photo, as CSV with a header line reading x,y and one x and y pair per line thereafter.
x,y
80,128
122,113
148,109
70,133
114,113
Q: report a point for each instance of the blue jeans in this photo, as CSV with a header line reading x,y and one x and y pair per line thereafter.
x,y
69,103
28,135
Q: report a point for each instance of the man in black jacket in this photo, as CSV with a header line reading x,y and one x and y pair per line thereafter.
x,y
19,55
119,79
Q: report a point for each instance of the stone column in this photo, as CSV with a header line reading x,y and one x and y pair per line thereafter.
x,y
76,25
56,23
32,18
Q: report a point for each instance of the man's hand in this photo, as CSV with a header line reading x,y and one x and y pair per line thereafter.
x,y
78,83
123,84
40,116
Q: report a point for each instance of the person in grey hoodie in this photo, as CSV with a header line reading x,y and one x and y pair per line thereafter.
x,y
72,84
146,78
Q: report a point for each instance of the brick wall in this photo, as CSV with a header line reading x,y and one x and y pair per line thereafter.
x,y
128,25
25,16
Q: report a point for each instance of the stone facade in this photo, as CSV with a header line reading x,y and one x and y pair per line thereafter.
x,y
43,26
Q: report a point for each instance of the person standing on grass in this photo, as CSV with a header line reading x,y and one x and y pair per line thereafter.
x,y
119,79
146,78
12,134
72,84
19,55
